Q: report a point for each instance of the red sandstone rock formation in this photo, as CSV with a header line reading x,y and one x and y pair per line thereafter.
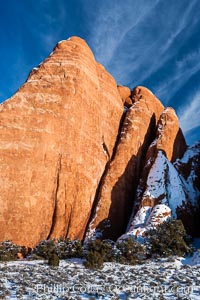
x,y
125,94
170,138
169,195
54,132
161,188
71,160
116,194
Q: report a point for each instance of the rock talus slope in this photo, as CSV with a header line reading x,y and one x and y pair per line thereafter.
x,y
53,133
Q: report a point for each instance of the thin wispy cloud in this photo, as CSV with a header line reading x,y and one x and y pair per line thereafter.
x,y
163,48
146,46
189,114
150,42
181,73
111,28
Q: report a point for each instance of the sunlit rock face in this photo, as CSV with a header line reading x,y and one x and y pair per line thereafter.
x,y
52,137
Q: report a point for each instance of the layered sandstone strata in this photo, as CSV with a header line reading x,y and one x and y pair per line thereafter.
x,y
57,133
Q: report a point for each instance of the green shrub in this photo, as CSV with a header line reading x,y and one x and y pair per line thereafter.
x,y
9,251
68,249
44,249
7,256
63,248
98,252
168,239
53,260
94,260
130,251
104,247
127,251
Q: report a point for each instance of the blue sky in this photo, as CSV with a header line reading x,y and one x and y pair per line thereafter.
x,y
155,43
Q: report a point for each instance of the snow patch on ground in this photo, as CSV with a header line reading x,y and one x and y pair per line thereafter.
x,y
173,278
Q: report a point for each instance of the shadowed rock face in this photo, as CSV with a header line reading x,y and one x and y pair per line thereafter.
x,y
71,159
53,132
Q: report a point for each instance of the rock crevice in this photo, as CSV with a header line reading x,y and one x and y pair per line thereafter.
x,y
55,194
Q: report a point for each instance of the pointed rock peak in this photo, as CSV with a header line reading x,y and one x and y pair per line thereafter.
x,y
81,45
74,45
71,40
143,97
168,115
140,92
169,135
73,53
72,158
56,134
